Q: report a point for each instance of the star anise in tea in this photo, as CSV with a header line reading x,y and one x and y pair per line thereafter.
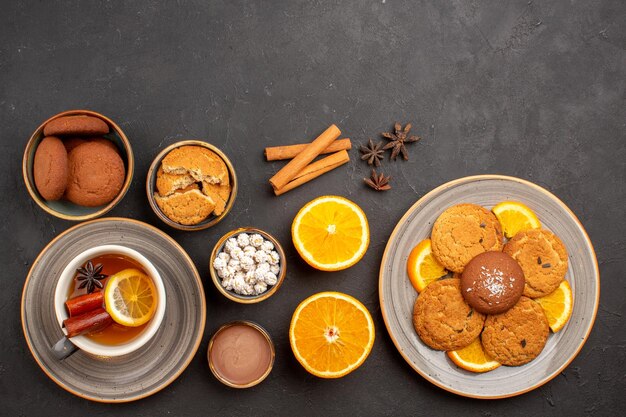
x,y
373,153
90,276
378,181
398,139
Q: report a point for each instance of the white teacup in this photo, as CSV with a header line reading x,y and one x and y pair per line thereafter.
x,y
66,281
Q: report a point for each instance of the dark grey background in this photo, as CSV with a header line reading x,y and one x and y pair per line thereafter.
x,y
526,88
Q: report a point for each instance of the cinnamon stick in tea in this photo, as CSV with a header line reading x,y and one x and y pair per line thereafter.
x,y
91,321
314,170
289,171
84,303
277,153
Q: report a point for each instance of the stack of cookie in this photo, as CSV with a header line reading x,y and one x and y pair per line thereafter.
x,y
75,162
491,291
192,184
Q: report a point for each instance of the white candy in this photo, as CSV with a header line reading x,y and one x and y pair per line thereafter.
x,y
250,278
247,263
256,240
236,253
274,258
249,251
270,278
274,269
261,257
261,270
267,246
243,240
234,263
227,284
230,244
219,263
224,256
260,287
226,272
239,284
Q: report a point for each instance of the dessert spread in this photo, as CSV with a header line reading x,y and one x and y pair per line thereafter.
x,y
192,183
492,282
240,354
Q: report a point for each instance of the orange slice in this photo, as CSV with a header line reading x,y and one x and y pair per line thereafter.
x,y
422,266
558,306
515,217
330,233
130,297
473,358
331,334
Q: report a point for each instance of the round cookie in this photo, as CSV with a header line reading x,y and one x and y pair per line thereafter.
x,y
50,168
106,142
199,162
492,282
543,258
96,174
442,318
517,336
462,232
188,208
76,126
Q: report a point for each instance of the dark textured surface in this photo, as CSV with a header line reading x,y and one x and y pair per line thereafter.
x,y
531,89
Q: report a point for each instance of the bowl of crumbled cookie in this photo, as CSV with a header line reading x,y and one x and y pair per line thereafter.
x,y
191,185
247,265
78,165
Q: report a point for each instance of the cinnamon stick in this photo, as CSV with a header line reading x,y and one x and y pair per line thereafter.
x,y
91,321
84,303
277,153
315,169
289,171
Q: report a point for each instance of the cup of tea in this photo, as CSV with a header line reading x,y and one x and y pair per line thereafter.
x,y
109,301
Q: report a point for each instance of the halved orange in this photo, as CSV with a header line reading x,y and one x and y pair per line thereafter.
x,y
331,334
130,297
473,358
558,306
330,233
515,217
422,266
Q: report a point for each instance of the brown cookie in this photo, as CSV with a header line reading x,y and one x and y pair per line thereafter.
x,y
543,258
167,184
96,174
199,162
76,126
517,336
188,208
50,168
442,318
71,143
492,282
106,142
220,193
462,232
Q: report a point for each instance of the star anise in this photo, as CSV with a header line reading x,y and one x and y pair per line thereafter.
x,y
378,181
90,276
373,153
398,140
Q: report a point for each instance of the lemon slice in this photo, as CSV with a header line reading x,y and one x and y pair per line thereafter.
x,y
515,217
130,297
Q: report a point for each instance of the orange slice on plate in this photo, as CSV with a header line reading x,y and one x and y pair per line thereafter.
x,y
515,217
473,358
331,334
422,266
330,233
558,306
130,297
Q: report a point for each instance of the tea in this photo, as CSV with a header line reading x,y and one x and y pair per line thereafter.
x,y
113,334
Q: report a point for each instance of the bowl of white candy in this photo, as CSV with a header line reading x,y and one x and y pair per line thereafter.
x,y
247,265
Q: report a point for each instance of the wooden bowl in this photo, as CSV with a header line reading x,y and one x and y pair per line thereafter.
x,y
64,209
151,186
248,299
